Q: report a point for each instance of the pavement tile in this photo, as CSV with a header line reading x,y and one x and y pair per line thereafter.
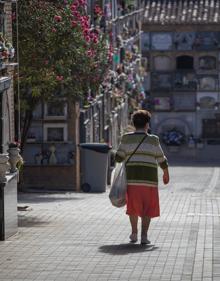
x,y
79,236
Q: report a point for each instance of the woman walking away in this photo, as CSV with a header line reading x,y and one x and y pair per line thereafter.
x,y
144,154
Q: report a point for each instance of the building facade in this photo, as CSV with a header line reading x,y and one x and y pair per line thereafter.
x,y
6,76
181,43
8,176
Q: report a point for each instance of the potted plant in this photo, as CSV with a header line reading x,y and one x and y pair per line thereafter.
x,y
14,156
6,49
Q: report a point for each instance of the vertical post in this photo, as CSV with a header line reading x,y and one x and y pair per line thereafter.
x,y
42,125
1,124
77,142
2,228
18,133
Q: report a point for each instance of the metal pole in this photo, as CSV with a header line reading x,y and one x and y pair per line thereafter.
x,y
18,79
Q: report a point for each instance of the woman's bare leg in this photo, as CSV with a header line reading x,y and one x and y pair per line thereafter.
x,y
134,223
145,222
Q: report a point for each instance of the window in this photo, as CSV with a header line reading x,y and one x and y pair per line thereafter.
x,y
207,63
162,63
55,132
184,62
56,110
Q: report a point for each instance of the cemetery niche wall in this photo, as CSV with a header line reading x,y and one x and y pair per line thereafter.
x,y
183,71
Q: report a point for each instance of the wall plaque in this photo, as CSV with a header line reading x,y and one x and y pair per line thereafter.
x,y
161,41
183,41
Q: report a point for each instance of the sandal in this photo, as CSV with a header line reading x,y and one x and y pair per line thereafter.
x,y
133,237
144,240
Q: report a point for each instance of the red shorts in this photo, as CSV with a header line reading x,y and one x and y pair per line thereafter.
x,y
143,201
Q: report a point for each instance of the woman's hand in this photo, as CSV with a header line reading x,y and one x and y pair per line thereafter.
x,y
166,177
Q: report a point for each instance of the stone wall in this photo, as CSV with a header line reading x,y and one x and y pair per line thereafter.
x,y
49,177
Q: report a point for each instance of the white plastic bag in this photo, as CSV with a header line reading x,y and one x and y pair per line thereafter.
x,y
118,190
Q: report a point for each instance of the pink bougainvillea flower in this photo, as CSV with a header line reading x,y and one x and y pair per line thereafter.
x,y
84,19
85,32
74,23
95,40
87,38
82,2
73,7
59,78
90,53
76,3
58,18
54,30
76,14
91,35
98,10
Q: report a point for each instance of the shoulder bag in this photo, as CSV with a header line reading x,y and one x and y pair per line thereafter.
x,y
118,190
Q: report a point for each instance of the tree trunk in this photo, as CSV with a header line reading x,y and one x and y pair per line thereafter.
x,y
28,117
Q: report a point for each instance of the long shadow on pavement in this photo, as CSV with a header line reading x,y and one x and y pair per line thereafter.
x,y
125,249
45,198
26,221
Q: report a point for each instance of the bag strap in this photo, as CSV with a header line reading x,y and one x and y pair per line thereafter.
x,y
136,149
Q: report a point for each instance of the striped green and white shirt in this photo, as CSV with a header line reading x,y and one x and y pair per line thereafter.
x,y
141,169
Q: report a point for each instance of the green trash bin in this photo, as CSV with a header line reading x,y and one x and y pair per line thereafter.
x,y
94,160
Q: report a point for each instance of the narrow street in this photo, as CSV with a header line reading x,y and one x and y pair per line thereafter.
x,y
79,236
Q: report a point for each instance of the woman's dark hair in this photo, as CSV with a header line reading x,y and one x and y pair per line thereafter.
x,y
140,118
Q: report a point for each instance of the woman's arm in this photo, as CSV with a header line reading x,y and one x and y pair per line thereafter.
x,y
162,161
166,176
120,154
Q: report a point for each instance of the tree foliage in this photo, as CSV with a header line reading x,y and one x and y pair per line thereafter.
x,y
60,55
58,50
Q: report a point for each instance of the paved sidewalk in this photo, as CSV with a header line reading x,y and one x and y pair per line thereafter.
x,y
78,236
